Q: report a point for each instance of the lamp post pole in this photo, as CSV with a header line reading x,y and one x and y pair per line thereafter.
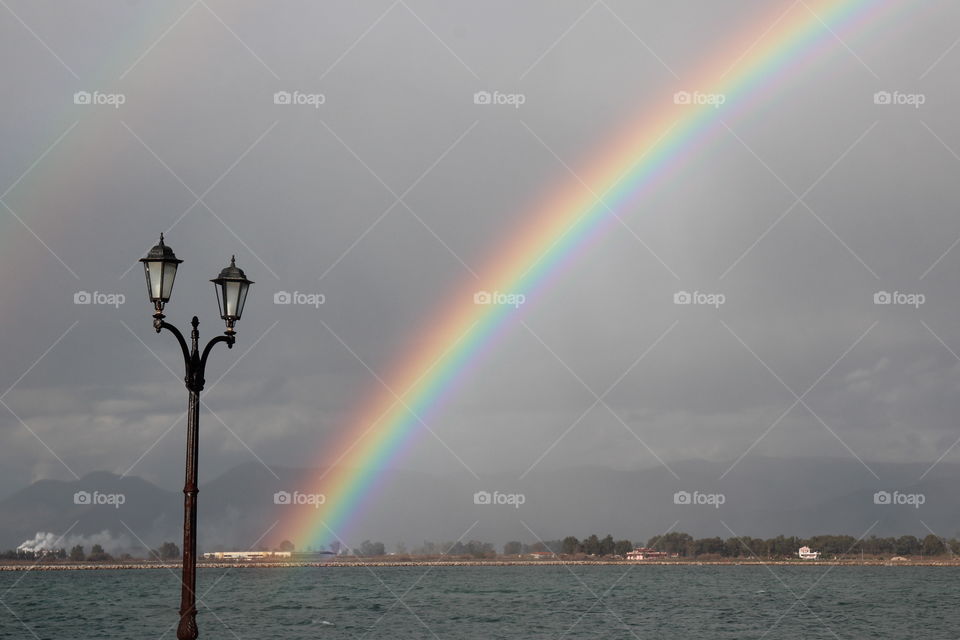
x,y
187,628
194,366
160,266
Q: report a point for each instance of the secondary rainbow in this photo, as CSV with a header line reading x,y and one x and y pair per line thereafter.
x,y
557,232
49,174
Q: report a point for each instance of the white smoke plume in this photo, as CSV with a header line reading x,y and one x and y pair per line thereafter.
x,y
46,541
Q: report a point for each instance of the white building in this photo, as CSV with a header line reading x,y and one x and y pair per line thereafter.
x,y
246,555
646,553
806,554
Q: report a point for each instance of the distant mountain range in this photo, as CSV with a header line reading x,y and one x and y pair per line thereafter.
x,y
761,497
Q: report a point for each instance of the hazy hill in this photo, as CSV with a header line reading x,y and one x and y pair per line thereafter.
x,y
762,497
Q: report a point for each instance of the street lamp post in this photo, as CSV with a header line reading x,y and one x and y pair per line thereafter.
x,y
160,266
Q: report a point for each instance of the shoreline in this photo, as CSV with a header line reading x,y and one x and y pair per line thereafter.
x,y
471,563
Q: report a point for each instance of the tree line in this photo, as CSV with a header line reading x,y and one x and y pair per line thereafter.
x,y
167,551
686,546
681,544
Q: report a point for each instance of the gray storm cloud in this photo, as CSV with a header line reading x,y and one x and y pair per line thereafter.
x,y
382,199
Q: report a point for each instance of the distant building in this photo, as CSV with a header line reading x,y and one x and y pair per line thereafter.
x,y
295,556
247,555
806,554
646,553
542,555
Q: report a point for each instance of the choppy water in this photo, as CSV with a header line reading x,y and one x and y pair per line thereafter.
x,y
492,602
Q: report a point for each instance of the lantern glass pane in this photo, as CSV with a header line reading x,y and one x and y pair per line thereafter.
x,y
244,288
154,272
217,287
169,273
231,295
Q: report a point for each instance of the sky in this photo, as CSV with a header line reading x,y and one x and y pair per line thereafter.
x,y
379,197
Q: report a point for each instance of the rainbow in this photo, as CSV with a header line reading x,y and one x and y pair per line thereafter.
x,y
560,230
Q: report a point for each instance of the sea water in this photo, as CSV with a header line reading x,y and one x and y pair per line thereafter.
x,y
640,602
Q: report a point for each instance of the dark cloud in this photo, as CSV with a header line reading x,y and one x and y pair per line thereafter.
x,y
387,195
